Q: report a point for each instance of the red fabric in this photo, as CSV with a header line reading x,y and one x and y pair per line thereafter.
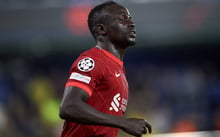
x,y
108,90
80,85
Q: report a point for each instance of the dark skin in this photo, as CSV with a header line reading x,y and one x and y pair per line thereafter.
x,y
114,37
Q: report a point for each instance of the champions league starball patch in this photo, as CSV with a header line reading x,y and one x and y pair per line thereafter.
x,y
86,64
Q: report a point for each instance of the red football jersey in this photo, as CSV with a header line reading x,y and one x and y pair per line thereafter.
x,y
102,76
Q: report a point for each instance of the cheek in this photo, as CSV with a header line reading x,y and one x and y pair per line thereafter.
x,y
115,32
120,31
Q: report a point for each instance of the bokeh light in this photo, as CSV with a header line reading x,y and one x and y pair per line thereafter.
x,y
75,19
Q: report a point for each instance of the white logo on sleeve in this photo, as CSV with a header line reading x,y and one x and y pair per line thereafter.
x,y
116,105
86,64
80,77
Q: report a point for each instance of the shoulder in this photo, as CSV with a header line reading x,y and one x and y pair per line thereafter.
x,y
92,55
90,60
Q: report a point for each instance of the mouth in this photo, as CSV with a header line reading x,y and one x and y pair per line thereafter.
x,y
132,33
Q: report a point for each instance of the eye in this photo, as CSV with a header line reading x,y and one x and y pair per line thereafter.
x,y
121,19
124,18
127,17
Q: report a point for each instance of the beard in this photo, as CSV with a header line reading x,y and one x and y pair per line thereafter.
x,y
131,41
124,42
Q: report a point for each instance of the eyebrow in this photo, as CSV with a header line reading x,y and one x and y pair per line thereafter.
x,y
125,15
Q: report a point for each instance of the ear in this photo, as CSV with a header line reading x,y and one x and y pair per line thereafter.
x,y
101,29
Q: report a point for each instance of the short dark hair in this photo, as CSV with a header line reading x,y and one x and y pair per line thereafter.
x,y
96,15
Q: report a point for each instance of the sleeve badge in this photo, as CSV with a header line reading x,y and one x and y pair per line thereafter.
x,y
86,64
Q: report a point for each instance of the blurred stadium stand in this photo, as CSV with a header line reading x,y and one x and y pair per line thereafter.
x,y
25,23
173,71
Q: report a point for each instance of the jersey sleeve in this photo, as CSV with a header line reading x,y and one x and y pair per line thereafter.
x,y
85,73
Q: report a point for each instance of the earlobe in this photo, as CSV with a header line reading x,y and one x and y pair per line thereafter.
x,y
101,30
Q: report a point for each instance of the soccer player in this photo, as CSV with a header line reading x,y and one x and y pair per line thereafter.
x,y
96,93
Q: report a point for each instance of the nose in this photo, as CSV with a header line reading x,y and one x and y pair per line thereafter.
x,y
131,24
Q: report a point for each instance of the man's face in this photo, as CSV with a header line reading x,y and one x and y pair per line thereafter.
x,y
121,28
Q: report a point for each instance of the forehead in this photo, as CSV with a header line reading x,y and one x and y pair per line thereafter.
x,y
117,10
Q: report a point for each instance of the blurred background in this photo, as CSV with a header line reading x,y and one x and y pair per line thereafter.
x,y
173,71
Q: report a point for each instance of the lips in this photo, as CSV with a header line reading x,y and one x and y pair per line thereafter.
x,y
132,33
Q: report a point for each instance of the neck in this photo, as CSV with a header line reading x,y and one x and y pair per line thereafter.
x,y
119,53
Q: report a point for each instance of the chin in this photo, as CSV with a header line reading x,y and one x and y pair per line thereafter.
x,y
131,42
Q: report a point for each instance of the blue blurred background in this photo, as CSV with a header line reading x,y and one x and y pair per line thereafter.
x,y
173,71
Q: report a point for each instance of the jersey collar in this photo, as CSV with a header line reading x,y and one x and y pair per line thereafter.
x,y
110,55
